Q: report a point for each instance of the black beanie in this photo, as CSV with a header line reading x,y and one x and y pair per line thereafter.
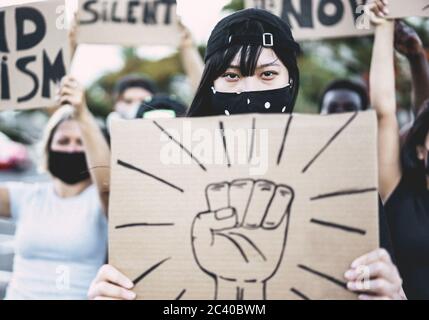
x,y
277,33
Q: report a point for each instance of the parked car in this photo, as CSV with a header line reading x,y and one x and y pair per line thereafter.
x,y
13,155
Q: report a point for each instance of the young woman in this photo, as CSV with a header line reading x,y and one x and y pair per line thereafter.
x,y
61,225
404,174
251,67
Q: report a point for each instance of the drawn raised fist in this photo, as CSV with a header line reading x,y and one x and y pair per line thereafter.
x,y
240,240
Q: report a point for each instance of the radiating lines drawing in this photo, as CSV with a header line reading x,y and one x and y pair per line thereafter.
x,y
134,168
181,294
285,134
330,141
189,153
150,270
342,193
299,294
324,276
338,226
144,224
252,140
225,146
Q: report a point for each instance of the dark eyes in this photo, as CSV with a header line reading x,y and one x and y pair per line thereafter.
x,y
66,141
230,76
266,75
63,142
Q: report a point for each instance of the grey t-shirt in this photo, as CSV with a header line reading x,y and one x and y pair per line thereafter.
x,y
60,242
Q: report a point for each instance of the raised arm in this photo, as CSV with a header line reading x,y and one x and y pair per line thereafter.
x,y
382,92
72,36
409,44
4,203
191,58
96,148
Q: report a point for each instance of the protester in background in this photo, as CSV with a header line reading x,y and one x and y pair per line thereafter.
x,y
162,106
130,92
403,175
138,98
409,44
344,96
350,96
238,60
61,226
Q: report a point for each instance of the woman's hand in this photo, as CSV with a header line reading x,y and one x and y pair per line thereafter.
x,y
186,40
375,277
110,284
378,10
72,93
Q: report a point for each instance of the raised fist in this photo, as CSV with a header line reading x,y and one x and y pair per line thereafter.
x,y
407,41
240,240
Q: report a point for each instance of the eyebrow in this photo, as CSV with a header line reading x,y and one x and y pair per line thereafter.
x,y
274,63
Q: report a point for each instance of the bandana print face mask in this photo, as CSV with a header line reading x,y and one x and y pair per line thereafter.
x,y
268,101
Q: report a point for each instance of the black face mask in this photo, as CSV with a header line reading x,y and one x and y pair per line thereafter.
x,y
70,168
268,101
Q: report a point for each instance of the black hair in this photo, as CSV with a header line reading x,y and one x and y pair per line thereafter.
x,y
221,51
163,101
346,84
133,81
413,168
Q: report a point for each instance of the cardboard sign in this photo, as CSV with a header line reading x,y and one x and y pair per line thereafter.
x,y
415,8
317,19
34,53
323,19
243,207
128,22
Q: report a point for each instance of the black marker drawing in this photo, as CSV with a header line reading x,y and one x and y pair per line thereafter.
x,y
338,226
252,142
181,294
148,271
189,153
289,121
325,276
144,224
241,216
225,147
131,167
330,141
342,193
299,294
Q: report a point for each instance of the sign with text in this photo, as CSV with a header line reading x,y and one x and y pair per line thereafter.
x,y
317,19
414,8
321,19
243,207
34,53
128,22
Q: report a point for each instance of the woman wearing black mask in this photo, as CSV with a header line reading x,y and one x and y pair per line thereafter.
x,y
404,173
251,67
61,225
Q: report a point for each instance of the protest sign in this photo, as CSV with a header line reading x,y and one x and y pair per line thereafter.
x,y
34,53
243,207
127,22
317,19
415,8
324,19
